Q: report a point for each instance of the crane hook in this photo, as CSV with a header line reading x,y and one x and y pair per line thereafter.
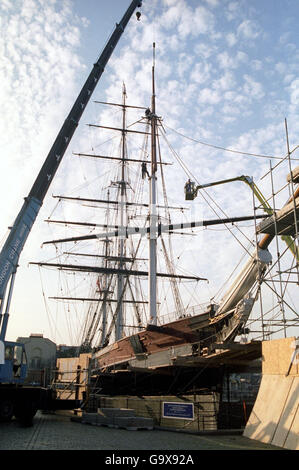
x,y
138,14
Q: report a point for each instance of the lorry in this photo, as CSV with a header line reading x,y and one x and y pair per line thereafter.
x,y
16,398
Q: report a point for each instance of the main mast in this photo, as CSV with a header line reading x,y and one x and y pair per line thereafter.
x,y
105,289
153,206
121,247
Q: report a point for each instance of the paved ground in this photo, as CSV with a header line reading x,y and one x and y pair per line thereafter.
x,y
58,432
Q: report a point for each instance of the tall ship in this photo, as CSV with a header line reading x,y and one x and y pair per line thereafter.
x,y
119,260
127,254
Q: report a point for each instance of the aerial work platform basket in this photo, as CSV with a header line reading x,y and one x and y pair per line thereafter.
x,y
190,190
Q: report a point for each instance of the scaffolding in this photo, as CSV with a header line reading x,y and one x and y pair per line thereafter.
x,y
279,285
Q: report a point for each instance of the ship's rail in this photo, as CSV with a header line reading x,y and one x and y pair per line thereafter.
x,y
188,312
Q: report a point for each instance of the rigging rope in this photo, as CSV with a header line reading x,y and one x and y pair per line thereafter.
x,y
169,260
225,149
190,175
46,305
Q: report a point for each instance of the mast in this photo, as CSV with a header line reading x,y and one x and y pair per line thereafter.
x,y
153,208
120,273
121,246
105,284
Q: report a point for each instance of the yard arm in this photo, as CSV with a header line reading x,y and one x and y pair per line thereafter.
x,y
10,253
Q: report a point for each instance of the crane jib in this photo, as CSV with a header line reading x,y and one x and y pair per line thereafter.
x,y
18,235
63,139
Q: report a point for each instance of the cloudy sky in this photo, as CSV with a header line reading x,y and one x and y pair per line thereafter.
x,y
226,78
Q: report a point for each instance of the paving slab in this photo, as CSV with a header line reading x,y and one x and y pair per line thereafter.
x,y
133,423
59,432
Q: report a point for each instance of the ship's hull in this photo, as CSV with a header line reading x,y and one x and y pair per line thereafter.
x,y
158,346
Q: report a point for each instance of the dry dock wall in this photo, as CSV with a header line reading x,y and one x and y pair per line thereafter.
x,y
275,416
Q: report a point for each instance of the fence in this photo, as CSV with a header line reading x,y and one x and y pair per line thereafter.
x,y
204,415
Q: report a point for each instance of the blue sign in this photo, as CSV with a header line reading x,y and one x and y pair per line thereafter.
x,y
178,410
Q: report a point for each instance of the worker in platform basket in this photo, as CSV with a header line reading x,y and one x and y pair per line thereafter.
x,y
189,190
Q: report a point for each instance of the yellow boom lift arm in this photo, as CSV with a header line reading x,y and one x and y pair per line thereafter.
x,y
191,190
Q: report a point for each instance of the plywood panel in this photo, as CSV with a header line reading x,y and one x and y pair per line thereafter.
x,y
275,415
278,356
288,415
292,440
268,408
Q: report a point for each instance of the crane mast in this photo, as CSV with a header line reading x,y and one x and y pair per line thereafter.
x,y
10,253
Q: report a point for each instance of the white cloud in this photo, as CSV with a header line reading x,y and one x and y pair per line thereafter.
x,y
248,29
281,67
189,22
209,96
201,72
294,95
229,109
225,82
231,39
253,88
203,21
283,38
267,140
185,62
6,5
32,71
288,78
232,10
256,64
205,50
212,3
226,60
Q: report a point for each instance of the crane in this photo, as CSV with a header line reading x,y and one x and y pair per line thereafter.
x,y
12,358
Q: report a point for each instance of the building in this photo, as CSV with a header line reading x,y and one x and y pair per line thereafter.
x,y
41,358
